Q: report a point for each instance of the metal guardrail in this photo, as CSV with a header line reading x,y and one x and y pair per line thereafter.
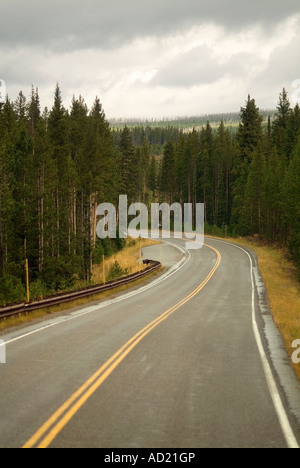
x,y
90,291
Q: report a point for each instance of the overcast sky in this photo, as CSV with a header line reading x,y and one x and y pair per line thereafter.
x,y
152,58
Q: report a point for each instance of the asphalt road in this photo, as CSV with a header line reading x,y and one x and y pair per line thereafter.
x,y
184,362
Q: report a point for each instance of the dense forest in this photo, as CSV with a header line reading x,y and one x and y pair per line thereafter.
x,y
57,165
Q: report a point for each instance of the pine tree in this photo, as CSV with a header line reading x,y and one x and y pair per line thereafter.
x,y
153,180
126,165
46,177
20,106
250,129
254,192
78,129
168,172
58,134
79,195
182,169
291,203
293,129
274,229
224,154
144,167
34,110
249,139
280,125
6,167
205,171
94,156
22,180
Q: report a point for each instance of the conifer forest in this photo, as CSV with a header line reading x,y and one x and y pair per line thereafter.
x,y
58,165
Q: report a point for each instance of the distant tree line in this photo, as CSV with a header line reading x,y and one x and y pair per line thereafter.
x,y
183,122
57,165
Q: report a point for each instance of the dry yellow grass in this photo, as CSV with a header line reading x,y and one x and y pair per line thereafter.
x,y
280,277
128,259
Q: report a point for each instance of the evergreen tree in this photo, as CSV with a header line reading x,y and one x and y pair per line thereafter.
x,y
144,166
7,130
274,229
250,130
45,186
224,155
293,129
280,125
78,125
58,134
254,192
205,171
291,204
181,169
168,172
20,107
34,110
192,165
127,165
153,180
249,139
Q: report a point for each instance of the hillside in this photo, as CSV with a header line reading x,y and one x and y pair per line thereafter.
x,y
230,119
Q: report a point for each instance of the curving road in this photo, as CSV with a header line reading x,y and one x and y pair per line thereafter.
x,y
187,361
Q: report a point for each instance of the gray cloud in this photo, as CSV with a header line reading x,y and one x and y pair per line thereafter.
x,y
143,57
199,66
283,65
281,70
66,24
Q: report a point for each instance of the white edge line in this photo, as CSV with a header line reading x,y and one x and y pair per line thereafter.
x,y
95,308
276,398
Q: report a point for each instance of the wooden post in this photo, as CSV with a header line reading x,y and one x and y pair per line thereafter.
x,y
140,259
103,266
27,280
140,255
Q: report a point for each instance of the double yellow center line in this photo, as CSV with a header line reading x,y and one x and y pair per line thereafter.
x,y
55,424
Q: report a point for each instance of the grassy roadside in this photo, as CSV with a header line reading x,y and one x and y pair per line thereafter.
x,y
283,288
127,259
69,306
